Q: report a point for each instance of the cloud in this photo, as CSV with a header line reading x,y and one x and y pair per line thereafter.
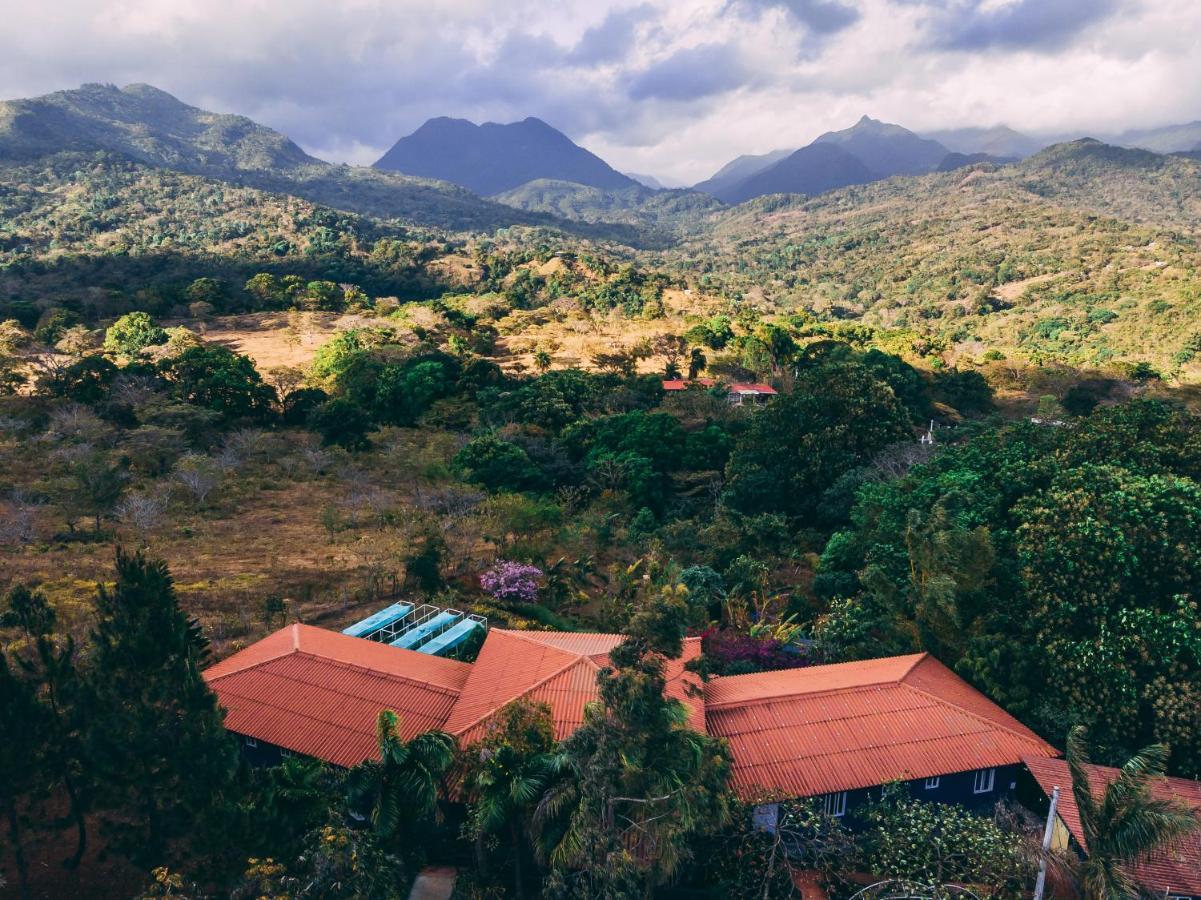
x,y
691,74
822,16
612,39
1031,24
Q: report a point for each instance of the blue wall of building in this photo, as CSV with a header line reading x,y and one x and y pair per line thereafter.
x,y
956,787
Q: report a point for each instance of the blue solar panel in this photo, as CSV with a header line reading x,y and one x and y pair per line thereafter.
x,y
450,638
418,633
381,619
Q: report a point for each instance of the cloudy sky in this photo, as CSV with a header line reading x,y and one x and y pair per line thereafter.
x,y
673,88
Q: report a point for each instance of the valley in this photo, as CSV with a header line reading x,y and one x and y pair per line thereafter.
x,y
914,415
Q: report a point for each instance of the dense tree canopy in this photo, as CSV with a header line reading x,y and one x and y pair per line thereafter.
x,y
835,420
1057,568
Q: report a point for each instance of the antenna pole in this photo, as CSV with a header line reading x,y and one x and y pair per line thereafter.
x,y
1041,884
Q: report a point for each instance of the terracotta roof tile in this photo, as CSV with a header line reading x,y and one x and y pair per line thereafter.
x,y
557,668
319,692
1173,870
801,732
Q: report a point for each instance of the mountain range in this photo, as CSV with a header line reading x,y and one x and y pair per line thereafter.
x,y
490,158
886,149
149,126
453,174
867,151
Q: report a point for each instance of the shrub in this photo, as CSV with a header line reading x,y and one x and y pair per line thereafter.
x,y
512,582
133,333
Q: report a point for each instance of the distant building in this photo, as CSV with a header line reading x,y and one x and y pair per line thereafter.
x,y
738,393
1172,872
750,393
835,732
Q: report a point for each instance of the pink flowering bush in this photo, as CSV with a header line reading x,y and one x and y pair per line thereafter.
x,y
733,653
513,582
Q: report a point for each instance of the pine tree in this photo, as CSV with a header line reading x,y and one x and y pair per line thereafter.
x,y
59,721
163,757
23,724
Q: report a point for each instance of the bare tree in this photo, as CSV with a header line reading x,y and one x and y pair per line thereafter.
x,y
672,348
897,459
317,458
18,519
142,511
199,475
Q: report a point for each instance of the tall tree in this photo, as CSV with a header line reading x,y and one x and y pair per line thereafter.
x,y
635,784
510,770
164,760
22,721
835,420
1122,821
59,725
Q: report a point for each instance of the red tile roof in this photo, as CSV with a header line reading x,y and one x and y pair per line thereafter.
x,y
318,692
557,668
808,731
1174,870
793,733
752,389
680,384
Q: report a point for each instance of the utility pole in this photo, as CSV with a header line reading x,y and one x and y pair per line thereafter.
x,y
1041,884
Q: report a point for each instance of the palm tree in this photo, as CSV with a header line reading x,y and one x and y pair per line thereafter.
x,y
1123,823
506,785
290,799
401,787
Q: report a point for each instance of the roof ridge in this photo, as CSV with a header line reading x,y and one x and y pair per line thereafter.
x,y
850,662
527,635
397,676
917,661
254,664
975,715
576,660
830,690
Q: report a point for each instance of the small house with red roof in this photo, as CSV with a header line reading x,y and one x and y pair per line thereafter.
x,y
738,393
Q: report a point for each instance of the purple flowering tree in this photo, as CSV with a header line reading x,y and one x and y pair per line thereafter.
x,y
512,582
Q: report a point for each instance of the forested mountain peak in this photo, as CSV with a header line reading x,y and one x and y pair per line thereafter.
x,y
147,124
492,158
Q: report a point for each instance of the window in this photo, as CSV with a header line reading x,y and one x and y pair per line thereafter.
x,y
835,804
983,781
251,742
932,783
285,753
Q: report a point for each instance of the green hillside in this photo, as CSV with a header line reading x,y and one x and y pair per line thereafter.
x,y
1083,254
